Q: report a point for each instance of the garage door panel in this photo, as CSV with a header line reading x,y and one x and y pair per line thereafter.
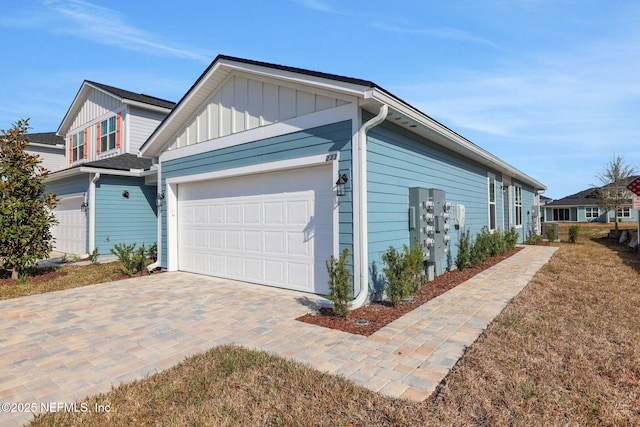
x,y
268,228
70,232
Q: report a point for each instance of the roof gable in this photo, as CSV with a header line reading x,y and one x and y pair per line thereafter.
x,y
96,99
242,102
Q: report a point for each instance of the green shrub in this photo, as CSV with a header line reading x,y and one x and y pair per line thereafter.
x,y
152,253
574,231
414,260
93,256
551,234
339,283
511,238
398,281
482,247
498,245
464,251
132,259
533,239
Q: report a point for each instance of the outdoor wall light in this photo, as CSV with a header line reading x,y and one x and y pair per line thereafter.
x,y
159,199
341,184
84,206
125,194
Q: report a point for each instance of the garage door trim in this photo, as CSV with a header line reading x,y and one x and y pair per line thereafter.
x,y
296,163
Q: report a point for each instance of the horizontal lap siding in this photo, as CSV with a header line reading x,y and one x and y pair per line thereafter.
x,y
76,184
122,220
398,160
323,139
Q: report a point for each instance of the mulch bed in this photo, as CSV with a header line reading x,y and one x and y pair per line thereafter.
x,y
380,314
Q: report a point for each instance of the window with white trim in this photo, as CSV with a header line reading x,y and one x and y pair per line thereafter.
x,y
492,203
108,134
624,212
78,146
591,212
518,203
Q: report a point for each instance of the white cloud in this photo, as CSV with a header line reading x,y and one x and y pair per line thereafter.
x,y
318,5
443,33
100,25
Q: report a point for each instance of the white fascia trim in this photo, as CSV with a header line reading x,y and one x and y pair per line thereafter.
x,y
71,196
319,118
53,147
295,163
82,170
146,106
171,193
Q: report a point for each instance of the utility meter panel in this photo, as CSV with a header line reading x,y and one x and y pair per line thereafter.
x,y
429,214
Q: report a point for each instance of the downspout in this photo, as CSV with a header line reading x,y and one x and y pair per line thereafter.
x,y
92,211
363,243
159,203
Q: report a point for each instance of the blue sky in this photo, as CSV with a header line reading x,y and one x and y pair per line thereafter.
x,y
551,87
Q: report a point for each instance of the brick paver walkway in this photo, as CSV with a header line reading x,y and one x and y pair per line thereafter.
x,y
63,346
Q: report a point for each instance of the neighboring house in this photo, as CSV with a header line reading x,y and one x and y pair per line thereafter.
x,y
107,195
267,171
50,148
583,207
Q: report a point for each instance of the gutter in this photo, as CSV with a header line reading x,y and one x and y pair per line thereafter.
x,y
363,241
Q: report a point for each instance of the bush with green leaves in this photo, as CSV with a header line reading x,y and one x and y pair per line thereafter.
x,y
574,232
152,253
498,244
398,280
339,283
26,209
93,256
414,261
482,247
511,238
551,234
534,239
132,259
463,258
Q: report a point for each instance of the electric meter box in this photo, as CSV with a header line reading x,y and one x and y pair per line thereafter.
x,y
429,214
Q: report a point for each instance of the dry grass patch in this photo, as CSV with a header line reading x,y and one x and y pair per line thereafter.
x,y
65,277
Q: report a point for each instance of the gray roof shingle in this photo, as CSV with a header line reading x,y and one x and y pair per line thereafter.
x,y
46,138
140,97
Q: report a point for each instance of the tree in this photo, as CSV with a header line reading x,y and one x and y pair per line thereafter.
x,y
26,211
613,194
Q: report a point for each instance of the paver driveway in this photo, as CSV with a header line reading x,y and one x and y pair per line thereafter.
x,y
63,346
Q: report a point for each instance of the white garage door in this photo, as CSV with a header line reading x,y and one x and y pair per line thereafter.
x,y
70,232
272,228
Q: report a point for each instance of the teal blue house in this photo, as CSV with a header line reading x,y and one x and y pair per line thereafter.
x,y
106,193
265,171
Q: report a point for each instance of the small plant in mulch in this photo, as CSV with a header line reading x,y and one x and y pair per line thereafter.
x,y
339,283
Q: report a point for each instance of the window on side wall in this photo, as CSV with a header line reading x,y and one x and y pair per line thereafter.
x,y
518,204
624,213
108,134
78,146
492,203
591,212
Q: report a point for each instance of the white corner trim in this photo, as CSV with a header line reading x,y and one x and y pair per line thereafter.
x,y
295,163
319,118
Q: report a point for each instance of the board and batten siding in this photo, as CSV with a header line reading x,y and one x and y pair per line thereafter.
x,y
141,124
242,103
398,160
97,104
124,220
319,140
